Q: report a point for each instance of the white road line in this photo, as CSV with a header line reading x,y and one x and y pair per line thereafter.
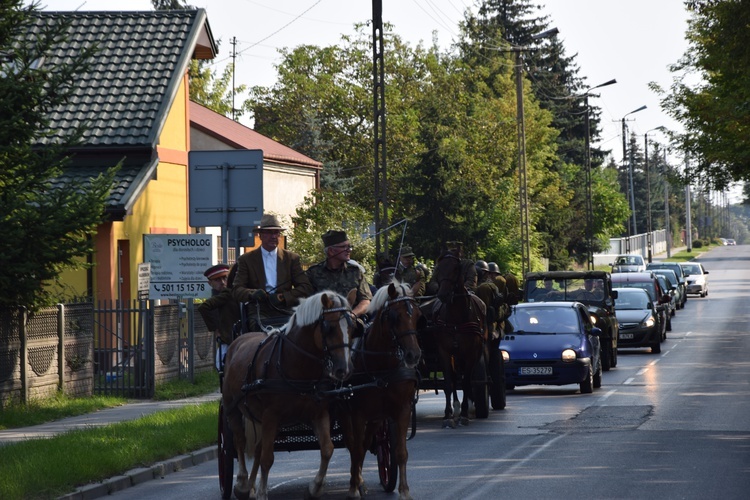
x,y
629,381
641,371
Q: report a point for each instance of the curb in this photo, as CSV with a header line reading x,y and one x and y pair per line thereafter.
x,y
142,475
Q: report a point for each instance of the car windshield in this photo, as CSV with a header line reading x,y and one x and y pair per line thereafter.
x,y
627,300
556,290
543,320
692,269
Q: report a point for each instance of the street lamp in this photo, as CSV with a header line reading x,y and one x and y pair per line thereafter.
x,y
648,192
631,230
523,198
589,194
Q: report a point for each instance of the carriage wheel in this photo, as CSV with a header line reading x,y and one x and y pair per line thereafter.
x,y
497,376
480,388
225,455
386,452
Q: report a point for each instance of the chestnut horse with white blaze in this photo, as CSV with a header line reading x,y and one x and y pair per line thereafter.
x,y
385,380
285,378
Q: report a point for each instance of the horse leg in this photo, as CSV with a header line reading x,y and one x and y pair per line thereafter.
x,y
355,429
241,487
463,418
254,470
401,423
270,428
322,428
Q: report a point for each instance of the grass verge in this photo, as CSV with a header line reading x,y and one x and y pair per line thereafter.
x,y
48,468
40,411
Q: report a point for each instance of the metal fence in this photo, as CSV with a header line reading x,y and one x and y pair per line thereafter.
x,y
114,348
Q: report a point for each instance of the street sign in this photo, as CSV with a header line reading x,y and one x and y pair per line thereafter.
x,y
144,279
177,264
226,188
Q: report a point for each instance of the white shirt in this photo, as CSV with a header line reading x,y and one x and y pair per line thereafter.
x,y
269,265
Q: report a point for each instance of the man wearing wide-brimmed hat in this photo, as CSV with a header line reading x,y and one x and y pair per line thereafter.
x,y
270,278
337,274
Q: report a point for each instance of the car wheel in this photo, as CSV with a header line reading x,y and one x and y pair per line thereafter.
x,y
587,385
606,354
669,327
656,348
598,376
614,358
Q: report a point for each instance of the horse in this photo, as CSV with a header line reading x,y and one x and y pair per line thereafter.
x,y
283,378
460,335
385,361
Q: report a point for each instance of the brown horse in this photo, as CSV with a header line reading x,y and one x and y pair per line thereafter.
x,y
385,361
460,333
284,378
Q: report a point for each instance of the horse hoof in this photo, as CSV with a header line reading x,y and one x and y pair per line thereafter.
x,y
241,495
463,422
449,424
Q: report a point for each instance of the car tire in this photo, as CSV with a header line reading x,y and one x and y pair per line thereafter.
x,y
656,348
598,376
587,384
669,327
607,357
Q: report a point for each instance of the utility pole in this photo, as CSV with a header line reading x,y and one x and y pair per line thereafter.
x,y
666,206
631,230
381,177
688,224
234,57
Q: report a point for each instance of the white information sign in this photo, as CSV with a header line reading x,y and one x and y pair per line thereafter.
x,y
177,265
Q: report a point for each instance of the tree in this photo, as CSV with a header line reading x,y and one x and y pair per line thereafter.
x,y
47,225
714,112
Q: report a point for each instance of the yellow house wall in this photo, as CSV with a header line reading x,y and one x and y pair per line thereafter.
x,y
163,206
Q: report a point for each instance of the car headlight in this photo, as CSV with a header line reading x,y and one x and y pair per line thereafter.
x,y
505,355
649,322
593,318
568,355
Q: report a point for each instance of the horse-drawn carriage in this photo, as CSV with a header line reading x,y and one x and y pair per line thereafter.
x,y
356,393
458,348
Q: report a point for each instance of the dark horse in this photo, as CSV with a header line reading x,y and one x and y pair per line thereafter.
x,y
271,381
385,361
460,334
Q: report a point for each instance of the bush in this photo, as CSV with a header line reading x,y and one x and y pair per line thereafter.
x,y
697,244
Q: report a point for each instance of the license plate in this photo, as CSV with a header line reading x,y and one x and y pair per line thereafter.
x,y
535,370
626,336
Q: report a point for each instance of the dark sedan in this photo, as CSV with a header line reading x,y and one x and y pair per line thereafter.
x,y
552,343
639,324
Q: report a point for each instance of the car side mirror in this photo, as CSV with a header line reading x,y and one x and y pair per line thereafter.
x,y
596,331
615,293
650,305
705,272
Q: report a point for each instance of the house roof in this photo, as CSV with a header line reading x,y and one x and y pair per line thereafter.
x,y
239,136
126,93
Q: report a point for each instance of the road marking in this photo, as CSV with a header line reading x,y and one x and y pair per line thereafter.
x,y
629,381
641,371
605,396
654,362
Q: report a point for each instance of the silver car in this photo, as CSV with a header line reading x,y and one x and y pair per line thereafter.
x,y
697,278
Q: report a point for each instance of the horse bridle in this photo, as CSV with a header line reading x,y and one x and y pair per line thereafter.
x,y
396,337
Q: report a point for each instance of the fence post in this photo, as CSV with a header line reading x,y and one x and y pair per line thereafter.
x,y
24,354
61,346
191,339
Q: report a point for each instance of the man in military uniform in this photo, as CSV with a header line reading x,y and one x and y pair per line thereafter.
x,y
221,311
407,272
269,278
336,274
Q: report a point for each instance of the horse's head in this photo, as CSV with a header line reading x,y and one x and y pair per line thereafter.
x,y
395,318
328,315
449,276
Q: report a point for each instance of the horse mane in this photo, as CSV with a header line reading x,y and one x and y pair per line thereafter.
x,y
381,296
310,309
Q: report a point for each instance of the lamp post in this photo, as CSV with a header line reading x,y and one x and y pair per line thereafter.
x,y
649,243
589,194
631,230
523,198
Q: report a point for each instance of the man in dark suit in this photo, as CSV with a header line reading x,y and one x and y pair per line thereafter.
x,y
270,278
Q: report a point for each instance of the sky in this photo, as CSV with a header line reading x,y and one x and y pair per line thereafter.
x,y
632,41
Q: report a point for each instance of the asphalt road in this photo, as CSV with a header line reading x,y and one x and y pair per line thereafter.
x,y
668,425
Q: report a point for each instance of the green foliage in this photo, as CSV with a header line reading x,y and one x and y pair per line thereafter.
x,y
47,225
714,112
324,210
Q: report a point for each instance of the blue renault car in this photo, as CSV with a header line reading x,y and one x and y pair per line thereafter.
x,y
551,343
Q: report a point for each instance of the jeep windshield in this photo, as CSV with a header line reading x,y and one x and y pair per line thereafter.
x,y
557,290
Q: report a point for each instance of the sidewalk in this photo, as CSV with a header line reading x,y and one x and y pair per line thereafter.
x,y
130,411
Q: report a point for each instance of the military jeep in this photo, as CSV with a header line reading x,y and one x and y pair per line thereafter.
x,y
592,288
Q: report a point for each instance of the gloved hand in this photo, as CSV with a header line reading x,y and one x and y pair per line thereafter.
x,y
258,295
277,300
